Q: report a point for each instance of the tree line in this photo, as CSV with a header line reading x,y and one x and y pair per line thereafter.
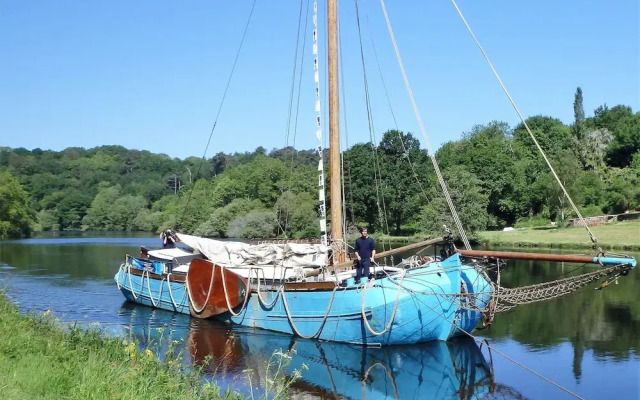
x,y
495,175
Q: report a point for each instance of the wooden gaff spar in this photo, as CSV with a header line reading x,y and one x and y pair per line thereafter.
x,y
512,255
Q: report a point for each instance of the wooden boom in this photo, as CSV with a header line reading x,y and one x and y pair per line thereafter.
x,y
513,255
347,264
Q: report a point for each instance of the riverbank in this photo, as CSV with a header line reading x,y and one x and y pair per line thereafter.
x,y
617,236
39,360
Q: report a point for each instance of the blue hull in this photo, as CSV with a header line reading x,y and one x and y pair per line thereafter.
x,y
153,292
423,305
424,308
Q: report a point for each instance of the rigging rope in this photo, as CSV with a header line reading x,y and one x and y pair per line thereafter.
x,y
393,115
295,124
224,96
322,207
423,131
513,104
377,171
504,298
343,104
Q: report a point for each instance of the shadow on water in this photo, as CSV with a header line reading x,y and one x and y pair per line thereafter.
x,y
436,370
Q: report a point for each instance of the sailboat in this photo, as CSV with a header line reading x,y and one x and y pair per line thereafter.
x,y
308,290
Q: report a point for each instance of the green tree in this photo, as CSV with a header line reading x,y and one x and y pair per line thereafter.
x,y
124,212
499,162
99,215
360,185
47,221
217,224
401,161
297,215
622,191
578,130
255,224
147,220
553,136
15,218
469,199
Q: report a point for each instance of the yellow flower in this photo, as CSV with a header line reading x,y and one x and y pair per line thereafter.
x,y
148,353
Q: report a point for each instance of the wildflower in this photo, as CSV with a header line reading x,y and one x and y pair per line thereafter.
x,y
148,353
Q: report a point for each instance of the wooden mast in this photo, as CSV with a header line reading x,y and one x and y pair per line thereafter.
x,y
334,126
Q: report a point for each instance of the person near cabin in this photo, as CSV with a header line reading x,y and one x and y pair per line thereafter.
x,y
168,238
365,249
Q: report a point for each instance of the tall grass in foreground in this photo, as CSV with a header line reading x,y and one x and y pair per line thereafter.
x,y
39,360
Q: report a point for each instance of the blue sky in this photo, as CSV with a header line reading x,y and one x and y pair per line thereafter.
x,y
149,74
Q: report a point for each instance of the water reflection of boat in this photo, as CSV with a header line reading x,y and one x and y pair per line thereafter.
x,y
434,370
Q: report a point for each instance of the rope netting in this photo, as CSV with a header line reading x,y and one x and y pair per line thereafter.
x,y
504,298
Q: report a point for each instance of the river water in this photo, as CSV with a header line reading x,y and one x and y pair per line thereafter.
x,y
588,342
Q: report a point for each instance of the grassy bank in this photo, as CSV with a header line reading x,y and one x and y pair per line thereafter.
x,y
39,360
621,235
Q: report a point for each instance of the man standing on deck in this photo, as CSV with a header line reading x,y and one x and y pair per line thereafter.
x,y
365,252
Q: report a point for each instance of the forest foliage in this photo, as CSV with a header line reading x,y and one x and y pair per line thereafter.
x,y
495,174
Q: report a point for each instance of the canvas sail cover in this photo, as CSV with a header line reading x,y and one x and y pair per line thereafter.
x,y
233,254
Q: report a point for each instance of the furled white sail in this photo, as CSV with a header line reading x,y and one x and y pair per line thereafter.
x,y
234,254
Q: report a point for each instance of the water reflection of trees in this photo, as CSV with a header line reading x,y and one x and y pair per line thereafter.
x,y
605,321
81,260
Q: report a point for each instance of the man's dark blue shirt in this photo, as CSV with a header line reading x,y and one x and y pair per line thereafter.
x,y
365,246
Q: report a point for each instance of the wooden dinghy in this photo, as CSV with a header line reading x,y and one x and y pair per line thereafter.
x,y
213,290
